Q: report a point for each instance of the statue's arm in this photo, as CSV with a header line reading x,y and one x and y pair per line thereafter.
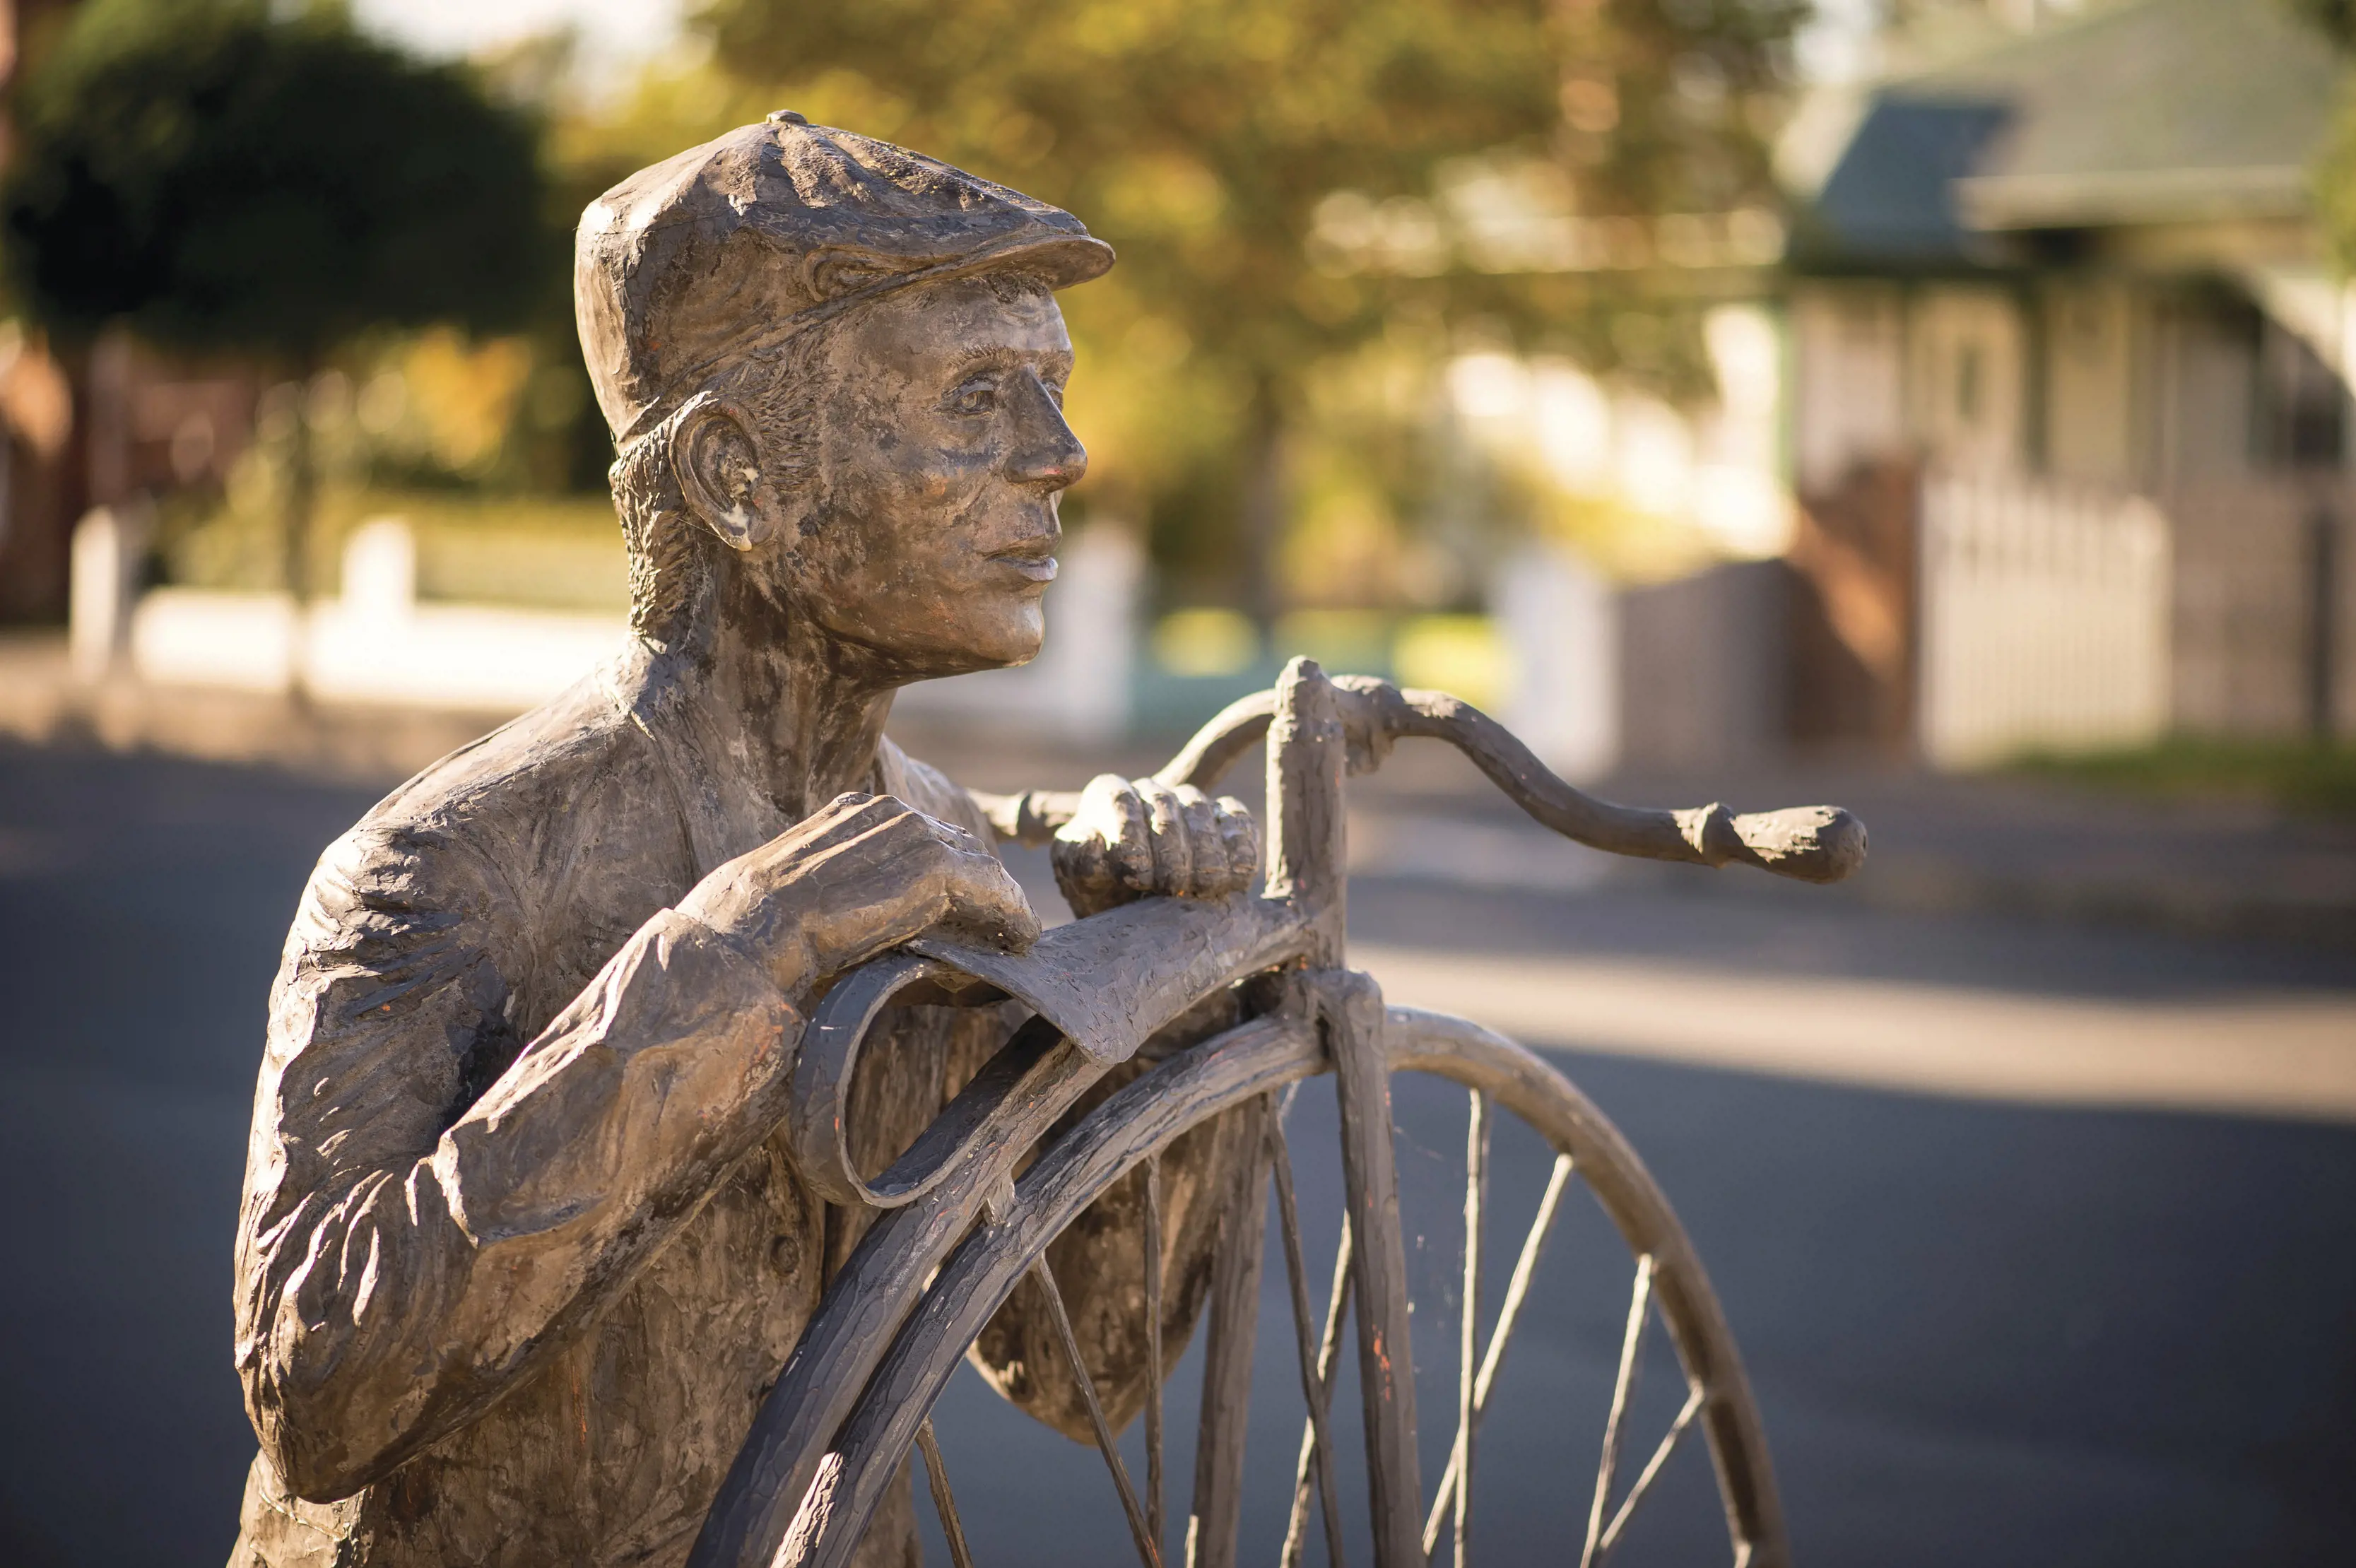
x,y
405,1257
410,1252
1030,817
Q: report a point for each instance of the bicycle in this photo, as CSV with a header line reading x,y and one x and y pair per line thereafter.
x,y
960,1230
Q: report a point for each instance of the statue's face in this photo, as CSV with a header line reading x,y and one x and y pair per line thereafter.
x,y
941,455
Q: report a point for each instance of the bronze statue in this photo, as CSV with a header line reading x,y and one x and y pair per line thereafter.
x,y
522,1246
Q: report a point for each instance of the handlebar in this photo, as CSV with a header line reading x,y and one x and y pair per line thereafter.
x,y
1810,843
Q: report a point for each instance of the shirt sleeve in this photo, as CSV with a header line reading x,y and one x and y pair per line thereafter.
x,y
434,1206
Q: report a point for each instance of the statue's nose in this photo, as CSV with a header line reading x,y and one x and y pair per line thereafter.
x,y
1046,453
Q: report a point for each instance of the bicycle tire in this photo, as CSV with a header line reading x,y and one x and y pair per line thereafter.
x,y
1217,1075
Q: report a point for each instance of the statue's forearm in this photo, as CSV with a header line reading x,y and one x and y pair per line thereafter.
x,y
1030,817
425,1294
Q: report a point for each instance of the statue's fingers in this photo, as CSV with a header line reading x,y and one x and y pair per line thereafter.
x,y
1132,845
1240,832
961,839
1204,845
1174,859
1109,871
1084,866
893,882
984,900
861,847
840,820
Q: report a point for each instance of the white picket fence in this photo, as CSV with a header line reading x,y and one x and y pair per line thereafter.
x,y
2045,619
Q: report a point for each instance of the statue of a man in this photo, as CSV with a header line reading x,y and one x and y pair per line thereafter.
x,y
521,1248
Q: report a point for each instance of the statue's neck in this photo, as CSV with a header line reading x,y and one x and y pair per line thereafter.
x,y
801,711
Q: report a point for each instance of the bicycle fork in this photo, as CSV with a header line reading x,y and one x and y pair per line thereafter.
x,y
1307,758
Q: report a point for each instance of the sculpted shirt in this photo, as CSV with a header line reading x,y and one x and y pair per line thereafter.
x,y
520,1253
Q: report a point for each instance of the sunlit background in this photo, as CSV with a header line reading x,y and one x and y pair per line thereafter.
x,y
1938,405
1905,373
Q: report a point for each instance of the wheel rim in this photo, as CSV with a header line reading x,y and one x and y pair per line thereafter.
x,y
1238,1069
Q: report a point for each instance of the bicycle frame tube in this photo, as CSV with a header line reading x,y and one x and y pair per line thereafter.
x,y
1307,750
1307,754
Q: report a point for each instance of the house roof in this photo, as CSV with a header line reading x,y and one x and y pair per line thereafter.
x,y
1891,196
2146,111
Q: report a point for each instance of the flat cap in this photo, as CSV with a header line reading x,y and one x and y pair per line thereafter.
x,y
732,248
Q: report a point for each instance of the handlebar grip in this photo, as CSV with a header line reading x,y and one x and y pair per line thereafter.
x,y
1810,843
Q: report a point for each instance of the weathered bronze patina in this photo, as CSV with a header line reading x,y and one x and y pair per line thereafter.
x,y
523,1244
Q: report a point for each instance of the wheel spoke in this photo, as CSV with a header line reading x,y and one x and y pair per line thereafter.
x,y
1221,1429
1313,1389
1476,1186
1153,1352
1329,1347
1652,1468
1624,1388
1146,1549
1517,1290
937,1476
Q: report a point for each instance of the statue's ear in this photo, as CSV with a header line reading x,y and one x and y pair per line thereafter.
x,y
717,462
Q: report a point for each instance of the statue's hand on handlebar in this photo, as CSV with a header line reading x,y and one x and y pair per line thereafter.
x,y
1133,838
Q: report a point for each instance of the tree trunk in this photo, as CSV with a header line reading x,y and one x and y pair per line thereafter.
x,y
301,502
1263,506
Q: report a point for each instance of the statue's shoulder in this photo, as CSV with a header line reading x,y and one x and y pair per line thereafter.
x,y
574,769
533,852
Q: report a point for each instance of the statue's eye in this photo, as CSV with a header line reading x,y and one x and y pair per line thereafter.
x,y
978,396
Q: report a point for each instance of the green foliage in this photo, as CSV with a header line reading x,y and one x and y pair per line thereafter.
x,y
2335,19
1213,142
1198,137
2310,777
2332,185
2333,179
223,176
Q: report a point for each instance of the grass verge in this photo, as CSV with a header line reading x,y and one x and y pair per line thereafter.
x,y
2315,778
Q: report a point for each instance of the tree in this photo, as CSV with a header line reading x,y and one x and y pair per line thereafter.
x,y
1209,139
2334,175
221,177
2335,19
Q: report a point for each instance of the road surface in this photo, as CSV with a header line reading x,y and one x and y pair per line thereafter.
x,y
1996,1310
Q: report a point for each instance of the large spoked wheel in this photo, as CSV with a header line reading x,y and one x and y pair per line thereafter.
x,y
1599,1482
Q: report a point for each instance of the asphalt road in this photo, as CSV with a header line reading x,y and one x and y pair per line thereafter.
x,y
1980,1330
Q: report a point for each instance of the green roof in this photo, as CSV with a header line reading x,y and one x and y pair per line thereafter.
x,y
2149,110
2142,111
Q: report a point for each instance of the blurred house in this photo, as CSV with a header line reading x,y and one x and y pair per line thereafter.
x,y
2051,433
92,425
2071,393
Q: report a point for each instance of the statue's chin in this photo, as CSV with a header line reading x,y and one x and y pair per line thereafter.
x,y
1015,641
1005,655
996,648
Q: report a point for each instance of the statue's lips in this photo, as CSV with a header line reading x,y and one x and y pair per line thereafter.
x,y
1034,565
